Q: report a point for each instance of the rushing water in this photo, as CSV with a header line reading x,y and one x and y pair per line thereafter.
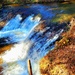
x,y
17,31
27,42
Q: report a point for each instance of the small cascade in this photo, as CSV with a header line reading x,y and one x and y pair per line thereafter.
x,y
27,42
31,44
13,24
17,31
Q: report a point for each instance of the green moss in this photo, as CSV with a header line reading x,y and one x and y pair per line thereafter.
x,y
64,12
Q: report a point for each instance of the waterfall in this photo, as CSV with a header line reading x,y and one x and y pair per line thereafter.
x,y
31,45
27,42
17,31
13,24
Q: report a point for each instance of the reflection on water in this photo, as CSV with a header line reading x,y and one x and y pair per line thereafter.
x,y
27,42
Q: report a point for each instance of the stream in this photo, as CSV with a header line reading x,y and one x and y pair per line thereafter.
x,y
28,43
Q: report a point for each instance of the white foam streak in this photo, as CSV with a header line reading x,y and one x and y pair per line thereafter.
x,y
17,52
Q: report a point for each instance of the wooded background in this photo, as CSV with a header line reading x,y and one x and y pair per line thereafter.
x,y
29,1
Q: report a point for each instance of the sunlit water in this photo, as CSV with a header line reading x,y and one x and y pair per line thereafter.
x,y
28,43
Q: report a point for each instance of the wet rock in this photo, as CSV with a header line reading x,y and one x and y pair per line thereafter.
x,y
40,27
2,23
4,48
1,69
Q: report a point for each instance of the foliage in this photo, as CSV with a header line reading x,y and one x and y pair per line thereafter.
x,y
59,70
61,58
62,42
1,1
64,12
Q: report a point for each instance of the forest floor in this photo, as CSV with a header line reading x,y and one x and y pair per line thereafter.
x,y
61,60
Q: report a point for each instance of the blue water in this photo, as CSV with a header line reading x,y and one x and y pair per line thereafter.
x,y
37,44
17,31
43,10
